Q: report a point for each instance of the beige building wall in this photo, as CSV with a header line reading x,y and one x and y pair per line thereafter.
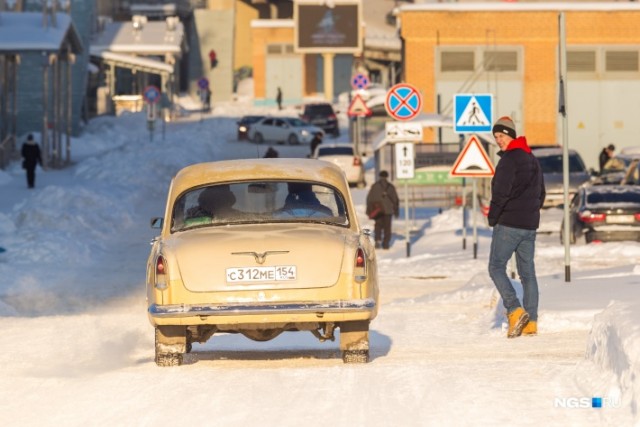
x,y
262,37
243,37
535,31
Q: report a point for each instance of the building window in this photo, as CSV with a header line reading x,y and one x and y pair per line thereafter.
x,y
621,60
581,61
456,61
500,61
274,49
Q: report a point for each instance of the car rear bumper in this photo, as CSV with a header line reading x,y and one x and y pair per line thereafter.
x,y
172,311
613,235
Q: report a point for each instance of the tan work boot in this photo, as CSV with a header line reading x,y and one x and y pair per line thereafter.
x,y
518,318
531,329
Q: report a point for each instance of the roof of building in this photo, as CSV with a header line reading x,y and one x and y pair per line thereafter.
x,y
520,7
26,31
140,37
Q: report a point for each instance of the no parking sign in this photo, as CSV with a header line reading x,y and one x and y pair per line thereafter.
x,y
403,102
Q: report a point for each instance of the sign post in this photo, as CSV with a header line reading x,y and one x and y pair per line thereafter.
x,y
152,96
405,170
473,162
358,109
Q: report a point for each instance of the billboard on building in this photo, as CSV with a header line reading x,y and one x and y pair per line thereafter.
x,y
328,26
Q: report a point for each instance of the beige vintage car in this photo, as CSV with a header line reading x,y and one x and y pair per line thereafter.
x,y
259,247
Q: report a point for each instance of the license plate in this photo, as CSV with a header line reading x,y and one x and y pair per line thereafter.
x,y
620,219
276,273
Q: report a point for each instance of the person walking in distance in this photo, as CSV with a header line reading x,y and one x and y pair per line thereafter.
x,y
31,155
317,140
517,195
279,98
382,203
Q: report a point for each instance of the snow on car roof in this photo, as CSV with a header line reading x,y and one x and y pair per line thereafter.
x,y
247,169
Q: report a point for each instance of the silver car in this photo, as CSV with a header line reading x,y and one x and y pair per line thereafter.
x,y
291,130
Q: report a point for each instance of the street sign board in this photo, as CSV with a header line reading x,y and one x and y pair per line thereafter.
x,y
151,94
403,131
358,108
360,81
403,102
472,113
405,166
472,161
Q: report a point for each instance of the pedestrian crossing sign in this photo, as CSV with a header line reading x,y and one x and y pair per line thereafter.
x,y
473,113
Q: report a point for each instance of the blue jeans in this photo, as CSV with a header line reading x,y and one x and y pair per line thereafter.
x,y
506,241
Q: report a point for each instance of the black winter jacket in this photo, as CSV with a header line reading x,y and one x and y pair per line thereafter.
x,y
517,188
31,153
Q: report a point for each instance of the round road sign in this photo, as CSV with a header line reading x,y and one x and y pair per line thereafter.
x,y
151,94
359,81
403,102
203,83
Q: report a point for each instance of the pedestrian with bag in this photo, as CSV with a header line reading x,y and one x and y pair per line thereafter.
x,y
382,204
31,158
517,195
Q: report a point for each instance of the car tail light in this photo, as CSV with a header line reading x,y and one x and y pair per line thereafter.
x,y
637,216
356,161
589,217
161,273
360,263
332,116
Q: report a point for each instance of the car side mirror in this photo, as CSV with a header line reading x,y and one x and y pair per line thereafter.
x,y
157,222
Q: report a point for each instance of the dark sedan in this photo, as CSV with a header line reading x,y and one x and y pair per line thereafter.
x,y
604,213
244,124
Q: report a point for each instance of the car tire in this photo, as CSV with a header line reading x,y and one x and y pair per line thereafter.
x,y
170,344
355,356
258,138
293,139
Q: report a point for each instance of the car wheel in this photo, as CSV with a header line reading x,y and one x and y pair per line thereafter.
x,y
354,341
258,138
171,343
293,139
355,356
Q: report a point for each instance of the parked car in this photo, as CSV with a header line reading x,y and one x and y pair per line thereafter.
x,y
259,247
244,124
291,130
322,115
603,213
551,164
343,155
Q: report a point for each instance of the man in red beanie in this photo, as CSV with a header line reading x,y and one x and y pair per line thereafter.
x,y
517,195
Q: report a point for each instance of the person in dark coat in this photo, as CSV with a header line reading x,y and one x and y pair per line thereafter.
x,y
517,195
605,155
383,196
317,140
31,158
279,98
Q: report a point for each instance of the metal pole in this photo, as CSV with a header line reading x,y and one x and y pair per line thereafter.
x,y
565,145
473,214
69,106
406,217
45,108
464,214
358,134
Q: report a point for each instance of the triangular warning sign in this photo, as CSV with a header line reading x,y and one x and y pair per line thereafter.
x,y
472,161
358,108
473,115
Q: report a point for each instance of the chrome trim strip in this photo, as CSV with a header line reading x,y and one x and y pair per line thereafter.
x,y
184,310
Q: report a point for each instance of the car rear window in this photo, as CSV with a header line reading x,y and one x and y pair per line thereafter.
x,y
258,202
614,197
319,109
553,163
335,151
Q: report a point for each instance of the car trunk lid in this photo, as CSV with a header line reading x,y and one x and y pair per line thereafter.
x,y
245,257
